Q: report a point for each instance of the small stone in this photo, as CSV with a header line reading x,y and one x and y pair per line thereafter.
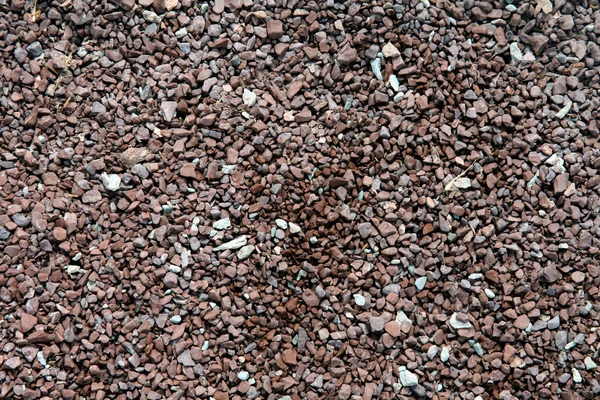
x,y
168,109
394,83
393,328
13,363
274,29
538,43
458,324
34,49
111,182
515,52
233,244
390,51
522,322
589,363
294,228
445,354
491,295
21,220
185,358
245,252
171,280
376,324
4,234
420,283
470,95
91,196
561,339
365,229
27,322
407,378
576,375
222,224
243,375
360,300
188,170
554,323
249,98
281,223
347,55
98,108
60,234
551,274
432,352
134,155
289,356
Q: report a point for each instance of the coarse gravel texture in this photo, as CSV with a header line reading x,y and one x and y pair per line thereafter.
x,y
282,199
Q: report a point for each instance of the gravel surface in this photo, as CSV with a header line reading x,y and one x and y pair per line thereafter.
x,y
290,200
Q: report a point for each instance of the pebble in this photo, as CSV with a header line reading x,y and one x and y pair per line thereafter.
x,y
222,224
407,378
458,324
281,223
111,182
294,228
360,300
249,98
233,244
245,252
515,52
376,324
445,354
589,363
420,282
243,375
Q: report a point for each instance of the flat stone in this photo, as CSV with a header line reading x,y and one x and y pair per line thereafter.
x,y
294,228
59,234
188,170
365,229
245,252
168,110
420,282
222,224
390,51
13,363
376,324
233,244
550,274
522,322
4,234
134,155
458,324
21,220
393,328
27,322
91,196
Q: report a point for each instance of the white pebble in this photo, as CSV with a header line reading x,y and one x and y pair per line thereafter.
x,y
243,375
445,354
420,283
249,98
281,223
360,300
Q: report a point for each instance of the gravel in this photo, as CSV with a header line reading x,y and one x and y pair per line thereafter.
x,y
299,200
